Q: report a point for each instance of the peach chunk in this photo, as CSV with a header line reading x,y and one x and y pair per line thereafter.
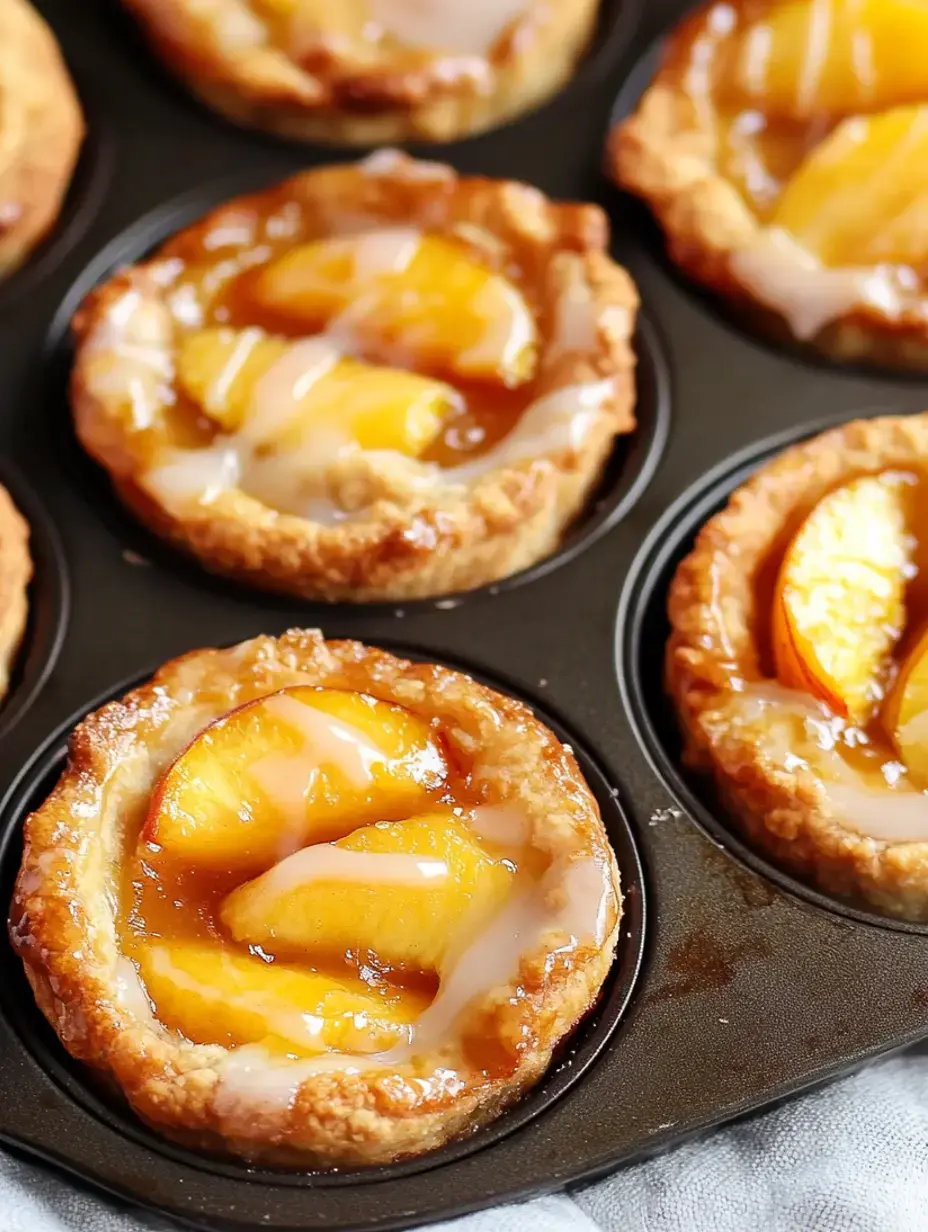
x,y
422,301
905,715
808,58
839,603
856,200
216,996
280,392
409,891
300,765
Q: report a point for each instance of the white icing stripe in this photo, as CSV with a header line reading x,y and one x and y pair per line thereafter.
x,y
326,862
887,816
328,740
470,27
819,34
281,391
787,277
499,824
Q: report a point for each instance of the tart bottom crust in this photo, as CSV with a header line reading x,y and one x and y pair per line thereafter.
x,y
62,922
261,87
665,154
717,625
411,544
41,129
15,573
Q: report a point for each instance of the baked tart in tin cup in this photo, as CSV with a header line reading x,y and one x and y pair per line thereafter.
x,y
41,129
798,660
782,147
311,903
370,71
372,382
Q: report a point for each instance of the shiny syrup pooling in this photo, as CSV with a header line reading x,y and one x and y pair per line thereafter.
x,y
161,898
215,263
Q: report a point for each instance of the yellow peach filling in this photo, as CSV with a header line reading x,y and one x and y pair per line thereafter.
x,y
314,875
848,652
820,108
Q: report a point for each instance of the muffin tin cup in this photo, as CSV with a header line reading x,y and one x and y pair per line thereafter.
x,y
742,987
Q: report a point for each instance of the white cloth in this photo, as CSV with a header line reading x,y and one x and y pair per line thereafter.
x,y
850,1158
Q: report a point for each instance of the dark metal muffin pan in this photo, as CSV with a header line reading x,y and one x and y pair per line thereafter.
x,y
741,987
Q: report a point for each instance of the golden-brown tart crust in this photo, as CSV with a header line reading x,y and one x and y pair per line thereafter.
x,y
719,613
328,80
63,927
407,540
15,573
667,153
41,129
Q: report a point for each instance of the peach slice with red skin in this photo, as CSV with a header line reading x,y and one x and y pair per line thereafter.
x,y
905,715
296,766
407,891
839,601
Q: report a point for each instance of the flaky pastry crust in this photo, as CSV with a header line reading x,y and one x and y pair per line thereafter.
x,y
327,81
719,607
407,539
41,129
15,573
667,153
63,928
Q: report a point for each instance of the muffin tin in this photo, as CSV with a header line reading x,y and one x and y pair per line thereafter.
x,y
735,986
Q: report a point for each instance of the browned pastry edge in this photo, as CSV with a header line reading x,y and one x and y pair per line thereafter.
x,y
412,546
41,128
62,919
15,573
438,99
718,627
665,154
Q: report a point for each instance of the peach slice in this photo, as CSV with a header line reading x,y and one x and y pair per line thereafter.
x,y
905,715
839,602
808,58
414,300
860,183
408,891
216,996
280,392
300,765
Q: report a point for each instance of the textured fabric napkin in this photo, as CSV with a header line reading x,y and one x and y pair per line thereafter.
x,y
850,1158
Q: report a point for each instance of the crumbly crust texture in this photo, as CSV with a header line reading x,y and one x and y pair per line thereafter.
x,y
41,129
62,922
408,541
15,573
343,90
666,153
718,624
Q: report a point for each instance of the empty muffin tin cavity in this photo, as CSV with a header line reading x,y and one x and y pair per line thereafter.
x,y
48,597
642,633
572,1060
626,475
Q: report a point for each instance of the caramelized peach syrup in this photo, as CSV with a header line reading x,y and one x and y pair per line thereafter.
x,y
315,875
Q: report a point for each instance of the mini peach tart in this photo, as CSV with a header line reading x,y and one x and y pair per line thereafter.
x,y
369,72
782,148
15,574
309,903
798,660
41,129
374,381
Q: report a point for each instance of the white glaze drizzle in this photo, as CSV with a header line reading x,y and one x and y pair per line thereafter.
x,y
327,739
787,277
817,40
470,27
499,824
394,163
796,732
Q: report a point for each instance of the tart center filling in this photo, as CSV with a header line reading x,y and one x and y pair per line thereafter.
x,y
847,645
320,375
317,875
819,114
